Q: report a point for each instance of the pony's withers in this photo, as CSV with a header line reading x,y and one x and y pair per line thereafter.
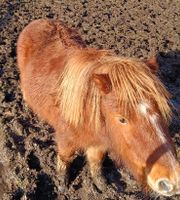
x,y
97,103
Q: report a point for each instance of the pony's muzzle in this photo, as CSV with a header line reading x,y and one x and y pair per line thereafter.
x,y
164,186
164,181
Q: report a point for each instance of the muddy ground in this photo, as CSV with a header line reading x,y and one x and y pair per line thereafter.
x,y
27,149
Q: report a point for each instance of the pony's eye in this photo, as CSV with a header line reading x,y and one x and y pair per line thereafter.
x,y
123,120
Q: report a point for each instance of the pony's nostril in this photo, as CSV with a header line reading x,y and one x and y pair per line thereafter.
x,y
164,185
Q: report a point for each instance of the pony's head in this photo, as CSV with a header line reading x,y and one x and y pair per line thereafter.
x,y
136,111
126,99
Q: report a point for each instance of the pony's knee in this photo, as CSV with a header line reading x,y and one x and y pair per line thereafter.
x,y
63,163
65,157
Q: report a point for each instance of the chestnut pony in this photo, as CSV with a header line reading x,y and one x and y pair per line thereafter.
x,y
97,103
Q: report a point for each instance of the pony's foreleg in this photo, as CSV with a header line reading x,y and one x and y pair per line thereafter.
x,y
64,159
95,157
62,169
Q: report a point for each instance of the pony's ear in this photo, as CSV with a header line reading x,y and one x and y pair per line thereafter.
x,y
152,63
103,82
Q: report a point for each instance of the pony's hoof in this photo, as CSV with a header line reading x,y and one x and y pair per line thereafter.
x,y
100,183
64,179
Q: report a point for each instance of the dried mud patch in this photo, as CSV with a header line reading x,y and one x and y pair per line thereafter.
x,y
28,151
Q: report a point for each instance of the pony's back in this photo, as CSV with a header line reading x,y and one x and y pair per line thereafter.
x,y
45,34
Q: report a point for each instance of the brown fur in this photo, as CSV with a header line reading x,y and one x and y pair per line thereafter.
x,y
86,93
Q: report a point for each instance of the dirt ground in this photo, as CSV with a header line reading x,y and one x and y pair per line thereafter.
x,y
138,28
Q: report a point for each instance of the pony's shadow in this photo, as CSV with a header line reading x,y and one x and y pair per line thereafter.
x,y
76,167
112,175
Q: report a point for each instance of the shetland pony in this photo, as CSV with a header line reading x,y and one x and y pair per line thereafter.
x,y
97,103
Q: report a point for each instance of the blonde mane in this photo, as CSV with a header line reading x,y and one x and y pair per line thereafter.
x,y
131,79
